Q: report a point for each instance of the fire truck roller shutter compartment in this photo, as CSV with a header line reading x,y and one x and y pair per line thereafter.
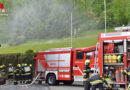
x,y
59,62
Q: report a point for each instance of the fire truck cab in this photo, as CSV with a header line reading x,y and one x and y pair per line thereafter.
x,y
63,64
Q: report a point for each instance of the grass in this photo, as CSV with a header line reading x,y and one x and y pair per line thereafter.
x,y
84,40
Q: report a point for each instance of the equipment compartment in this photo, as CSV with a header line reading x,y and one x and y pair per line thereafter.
x,y
113,61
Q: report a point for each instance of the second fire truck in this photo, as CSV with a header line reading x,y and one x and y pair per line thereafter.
x,y
63,64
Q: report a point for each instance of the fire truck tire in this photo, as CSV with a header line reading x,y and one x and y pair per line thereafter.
x,y
51,79
68,82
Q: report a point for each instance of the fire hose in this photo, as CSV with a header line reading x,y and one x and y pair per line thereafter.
x,y
6,85
32,81
25,86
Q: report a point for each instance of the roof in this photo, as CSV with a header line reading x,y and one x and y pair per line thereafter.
x,y
57,49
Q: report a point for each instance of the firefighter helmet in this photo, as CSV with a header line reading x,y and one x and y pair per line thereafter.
x,y
30,65
3,65
25,64
87,62
10,64
19,65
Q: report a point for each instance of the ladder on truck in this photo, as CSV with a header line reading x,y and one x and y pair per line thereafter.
x,y
96,69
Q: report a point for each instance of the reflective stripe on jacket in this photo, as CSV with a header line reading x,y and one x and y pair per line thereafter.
x,y
95,79
96,82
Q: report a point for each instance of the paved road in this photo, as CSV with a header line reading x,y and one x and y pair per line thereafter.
x,y
41,87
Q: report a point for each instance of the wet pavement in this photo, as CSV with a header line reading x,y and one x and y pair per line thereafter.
x,y
40,87
24,87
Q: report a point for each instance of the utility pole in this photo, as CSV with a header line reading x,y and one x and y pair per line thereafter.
x,y
105,15
71,31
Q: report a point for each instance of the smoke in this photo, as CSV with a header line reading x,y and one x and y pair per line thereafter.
x,y
45,19
39,19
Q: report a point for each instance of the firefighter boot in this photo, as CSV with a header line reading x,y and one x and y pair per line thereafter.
x,y
15,83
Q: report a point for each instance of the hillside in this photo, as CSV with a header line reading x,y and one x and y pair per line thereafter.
x,y
85,40
50,20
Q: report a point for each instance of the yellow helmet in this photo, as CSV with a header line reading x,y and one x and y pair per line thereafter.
x,y
30,65
3,65
19,65
10,64
25,64
87,62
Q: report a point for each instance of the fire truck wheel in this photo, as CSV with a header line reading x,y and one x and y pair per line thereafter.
x,y
68,82
51,79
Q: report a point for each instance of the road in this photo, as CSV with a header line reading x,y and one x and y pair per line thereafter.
x,y
43,86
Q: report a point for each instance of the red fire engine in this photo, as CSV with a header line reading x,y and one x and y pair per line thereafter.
x,y
109,57
63,64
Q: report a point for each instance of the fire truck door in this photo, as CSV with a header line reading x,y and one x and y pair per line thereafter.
x,y
78,65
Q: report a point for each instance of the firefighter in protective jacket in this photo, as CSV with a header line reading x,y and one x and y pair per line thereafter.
x,y
17,74
86,72
31,74
27,74
97,81
3,70
10,72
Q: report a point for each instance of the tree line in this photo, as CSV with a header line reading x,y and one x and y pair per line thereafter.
x,y
50,19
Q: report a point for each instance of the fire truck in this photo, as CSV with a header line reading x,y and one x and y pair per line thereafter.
x,y
63,64
114,55
109,57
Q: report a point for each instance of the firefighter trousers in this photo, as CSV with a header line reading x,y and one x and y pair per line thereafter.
x,y
27,79
10,77
16,79
86,85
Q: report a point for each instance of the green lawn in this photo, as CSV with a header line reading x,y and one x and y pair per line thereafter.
x,y
84,40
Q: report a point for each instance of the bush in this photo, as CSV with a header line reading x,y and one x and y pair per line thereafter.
x,y
18,58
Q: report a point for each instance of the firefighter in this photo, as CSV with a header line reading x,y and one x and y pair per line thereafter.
x,y
86,72
17,74
27,74
3,71
127,72
97,82
105,84
10,72
31,74
0,70
22,73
